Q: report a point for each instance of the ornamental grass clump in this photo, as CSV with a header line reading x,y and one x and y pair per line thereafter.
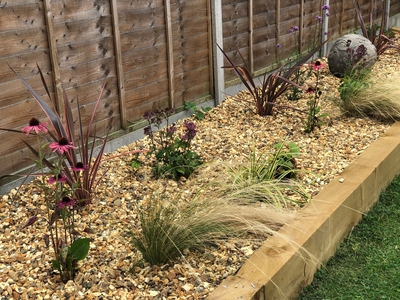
x,y
270,178
173,154
168,228
377,99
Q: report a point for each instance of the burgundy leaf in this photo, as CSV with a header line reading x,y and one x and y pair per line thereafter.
x,y
30,221
46,239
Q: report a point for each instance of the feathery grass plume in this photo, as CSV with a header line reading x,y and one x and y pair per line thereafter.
x,y
378,99
170,227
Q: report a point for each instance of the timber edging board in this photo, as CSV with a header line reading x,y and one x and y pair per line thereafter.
x,y
278,269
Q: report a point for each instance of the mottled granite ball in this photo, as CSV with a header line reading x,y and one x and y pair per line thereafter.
x,y
351,51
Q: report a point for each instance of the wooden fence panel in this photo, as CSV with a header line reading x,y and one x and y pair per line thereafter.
x,y
151,53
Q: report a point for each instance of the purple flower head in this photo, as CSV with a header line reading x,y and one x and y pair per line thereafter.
x,y
57,178
326,33
325,7
310,90
319,19
277,45
35,125
65,202
328,14
296,28
190,131
63,146
148,115
171,129
290,30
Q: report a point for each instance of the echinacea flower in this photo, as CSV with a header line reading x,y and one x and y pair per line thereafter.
x,y
310,90
35,125
317,65
57,178
65,202
79,166
62,146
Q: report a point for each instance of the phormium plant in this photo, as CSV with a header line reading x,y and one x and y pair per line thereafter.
x,y
374,32
173,154
67,181
80,153
272,85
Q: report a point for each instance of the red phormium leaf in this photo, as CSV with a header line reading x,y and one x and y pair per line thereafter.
x,y
30,221
46,239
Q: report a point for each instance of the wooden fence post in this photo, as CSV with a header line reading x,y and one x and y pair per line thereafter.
x,y
56,77
170,53
118,62
219,78
251,25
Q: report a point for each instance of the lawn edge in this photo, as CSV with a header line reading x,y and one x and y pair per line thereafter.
x,y
279,269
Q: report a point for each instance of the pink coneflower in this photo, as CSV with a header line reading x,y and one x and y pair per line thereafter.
x,y
79,166
65,202
317,65
62,145
35,125
310,90
60,178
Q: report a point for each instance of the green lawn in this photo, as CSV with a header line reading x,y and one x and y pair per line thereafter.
x,y
367,264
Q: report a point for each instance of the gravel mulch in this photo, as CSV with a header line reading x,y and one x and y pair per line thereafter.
x,y
227,133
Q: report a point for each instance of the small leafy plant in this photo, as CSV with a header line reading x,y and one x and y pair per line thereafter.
x,y
173,154
314,116
199,113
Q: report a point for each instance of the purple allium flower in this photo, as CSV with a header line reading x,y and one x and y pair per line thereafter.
x,y
79,167
62,145
59,177
325,7
35,125
65,202
296,28
277,45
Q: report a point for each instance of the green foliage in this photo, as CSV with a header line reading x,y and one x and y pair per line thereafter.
x,y
367,263
199,113
68,258
268,178
174,156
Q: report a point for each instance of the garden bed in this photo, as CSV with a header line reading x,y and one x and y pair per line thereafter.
x,y
228,133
